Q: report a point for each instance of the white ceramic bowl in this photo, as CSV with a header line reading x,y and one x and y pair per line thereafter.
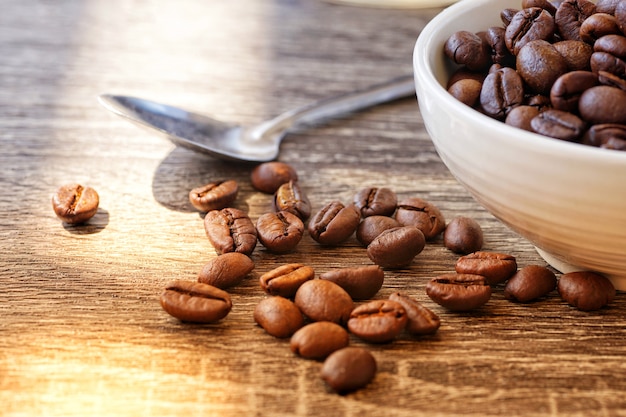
x,y
568,199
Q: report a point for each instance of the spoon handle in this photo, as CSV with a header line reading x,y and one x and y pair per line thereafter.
x,y
394,89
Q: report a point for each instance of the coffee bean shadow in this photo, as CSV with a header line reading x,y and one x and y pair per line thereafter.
x,y
94,225
183,170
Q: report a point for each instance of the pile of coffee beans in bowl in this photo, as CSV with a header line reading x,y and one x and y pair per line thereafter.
x,y
554,67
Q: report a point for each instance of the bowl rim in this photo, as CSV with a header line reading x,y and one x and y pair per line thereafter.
x,y
427,45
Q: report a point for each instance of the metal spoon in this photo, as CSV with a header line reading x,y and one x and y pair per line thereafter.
x,y
257,143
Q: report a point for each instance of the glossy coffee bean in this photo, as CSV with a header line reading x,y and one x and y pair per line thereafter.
x,y
420,320
230,230
74,203
323,300
603,104
279,232
559,124
422,214
586,291
268,176
495,267
598,25
530,283
500,54
278,316
528,25
214,196
370,227
567,89
609,136
467,91
226,270
372,201
463,235
606,6
319,339
539,64
502,91
360,282
569,17
334,223
397,247
521,116
286,279
459,292
378,321
468,49
195,302
576,54
544,4
349,369
291,198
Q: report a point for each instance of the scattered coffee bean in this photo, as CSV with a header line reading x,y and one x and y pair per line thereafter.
x,y
370,227
279,232
586,291
319,339
75,204
421,214
378,321
323,300
290,197
372,201
530,283
421,320
286,279
278,316
463,235
360,282
226,270
195,302
495,267
349,369
397,247
214,196
268,176
334,223
459,292
230,230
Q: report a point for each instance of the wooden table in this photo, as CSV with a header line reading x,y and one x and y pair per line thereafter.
x,y
81,329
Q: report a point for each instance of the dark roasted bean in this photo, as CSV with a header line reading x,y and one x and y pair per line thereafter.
x,y
421,321
290,197
421,214
378,321
567,89
559,125
528,25
586,291
319,339
370,227
323,300
195,302
570,15
530,283
468,49
349,369
214,196
540,64
609,136
226,270
397,247
286,279
502,90
278,316
334,223
603,104
230,230
459,292
373,201
495,267
463,235
268,176
279,232
521,116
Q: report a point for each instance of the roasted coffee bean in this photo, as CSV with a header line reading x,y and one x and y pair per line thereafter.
x,y
420,320
612,80
279,232
286,279
521,116
74,203
422,214
606,6
397,247
540,64
598,25
334,223
290,197
360,282
463,235
268,176
373,201
575,53
603,61
319,339
558,124
463,73
567,89
226,270
586,291
620,15
278,316
528,25
195,302
349,369
214,196
530,283
603,104
609,136
614,45
506,15
378,321
569,17
230,230
500,54
370,227
544,4
502,90
459,292
495,267
468,49
323,300
467,91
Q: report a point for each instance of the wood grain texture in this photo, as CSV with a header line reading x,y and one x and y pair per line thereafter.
x,y
81,329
